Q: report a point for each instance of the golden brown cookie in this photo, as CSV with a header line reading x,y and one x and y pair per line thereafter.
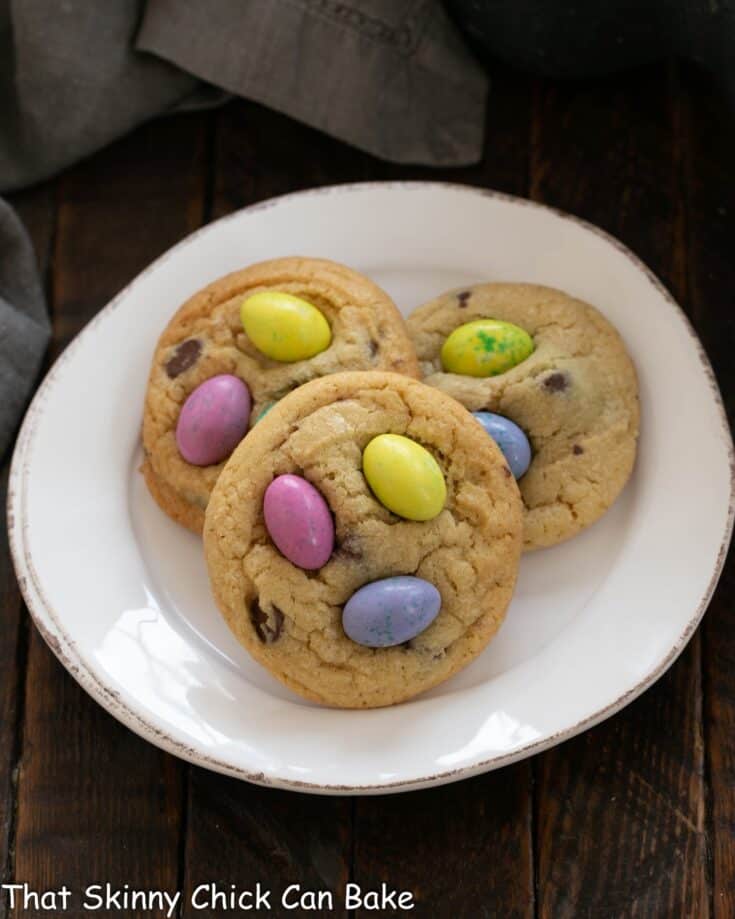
x,y
575,397
206,339
291,619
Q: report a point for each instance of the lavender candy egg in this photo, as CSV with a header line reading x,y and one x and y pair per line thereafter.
x,y
510,438
213,420
388,612
299,521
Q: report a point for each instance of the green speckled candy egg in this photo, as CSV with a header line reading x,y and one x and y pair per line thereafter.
x,y
485,348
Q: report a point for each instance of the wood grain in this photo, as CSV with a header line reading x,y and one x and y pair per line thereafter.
x,y
242,835
463,850
96,803
37,210
13,649
36,207
260,153
621,809
709,127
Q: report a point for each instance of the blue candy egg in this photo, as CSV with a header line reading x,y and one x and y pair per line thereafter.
x,y
510,438
391,611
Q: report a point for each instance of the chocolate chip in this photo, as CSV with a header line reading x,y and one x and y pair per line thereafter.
x,y
184,357
349,548
258,619
374,347
556,382
268,628
577,450
507,472
463,298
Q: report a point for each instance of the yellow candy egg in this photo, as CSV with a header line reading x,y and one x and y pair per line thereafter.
x,y
404,477
283,327
485,348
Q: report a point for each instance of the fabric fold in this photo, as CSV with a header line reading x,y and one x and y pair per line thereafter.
x,y
388,76
391,77
24,326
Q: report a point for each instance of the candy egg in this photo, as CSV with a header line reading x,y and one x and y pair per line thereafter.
x,y
283,327
404,477
485,347
299,521
391,611
510,438
213,420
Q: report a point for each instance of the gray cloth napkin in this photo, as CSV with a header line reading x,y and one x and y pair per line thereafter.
x,y
390,76
24,326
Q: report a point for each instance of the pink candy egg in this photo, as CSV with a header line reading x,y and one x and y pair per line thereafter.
x,y
299,521
213,420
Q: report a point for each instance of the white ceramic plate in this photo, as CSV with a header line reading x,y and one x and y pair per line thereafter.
x,y
121,594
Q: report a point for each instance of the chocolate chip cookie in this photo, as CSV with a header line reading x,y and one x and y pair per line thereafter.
x,y
411,583
210,382
573,392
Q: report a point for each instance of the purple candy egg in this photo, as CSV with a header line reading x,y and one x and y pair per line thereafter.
x,y
299,521
391,611
213,420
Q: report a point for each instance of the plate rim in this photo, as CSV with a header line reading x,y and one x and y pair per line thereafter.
x,y
64,647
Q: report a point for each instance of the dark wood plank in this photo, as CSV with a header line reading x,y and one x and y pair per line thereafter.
x,y
243,835
719,666
465,849
260,153
710,200
96,803
610,152
37,210
462,850
36,207
621,809
122,209
12,662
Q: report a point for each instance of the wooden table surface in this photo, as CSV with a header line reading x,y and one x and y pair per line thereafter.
x,y
633,818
